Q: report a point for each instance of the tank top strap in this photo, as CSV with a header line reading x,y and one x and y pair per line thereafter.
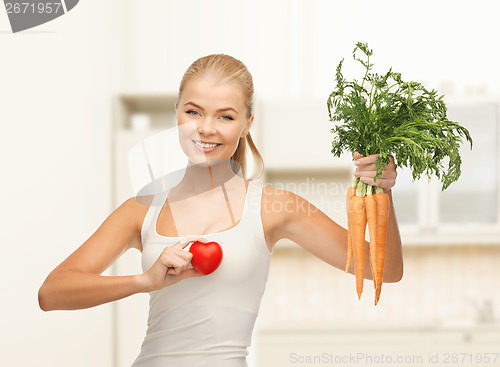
x,y
254,196
151,215
255,217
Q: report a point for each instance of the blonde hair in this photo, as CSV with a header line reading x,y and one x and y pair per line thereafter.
x,y
227,69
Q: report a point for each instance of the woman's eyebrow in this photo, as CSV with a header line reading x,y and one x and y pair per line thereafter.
x,y
219,110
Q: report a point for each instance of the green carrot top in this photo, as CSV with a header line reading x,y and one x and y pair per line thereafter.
x,y
385,115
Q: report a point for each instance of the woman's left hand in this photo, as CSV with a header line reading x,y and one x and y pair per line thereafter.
x,y
366,170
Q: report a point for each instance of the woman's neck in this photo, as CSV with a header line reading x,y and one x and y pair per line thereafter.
x,y
206,176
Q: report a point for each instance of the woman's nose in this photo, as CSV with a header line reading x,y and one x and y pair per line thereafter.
x,y
206,126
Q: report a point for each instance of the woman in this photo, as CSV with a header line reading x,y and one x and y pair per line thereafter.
x,y
196,319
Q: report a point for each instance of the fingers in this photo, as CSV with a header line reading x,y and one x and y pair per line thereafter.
x,y
363,161
174,271
366,170
181,267
367,167
381,182
177,259
356,156
384,182
369,161
184,256
386,174
191,272
188,239
178,262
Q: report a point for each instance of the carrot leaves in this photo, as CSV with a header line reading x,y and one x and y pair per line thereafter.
x,y
387,116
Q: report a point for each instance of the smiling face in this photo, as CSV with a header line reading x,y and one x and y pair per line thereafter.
x,y
212,113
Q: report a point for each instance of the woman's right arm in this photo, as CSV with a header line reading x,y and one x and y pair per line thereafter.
x,y
76,283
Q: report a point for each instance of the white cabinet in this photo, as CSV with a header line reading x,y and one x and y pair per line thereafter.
x,y
159,111
468,211
296,137
296,146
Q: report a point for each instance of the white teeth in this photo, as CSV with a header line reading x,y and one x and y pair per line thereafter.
x,y
204,145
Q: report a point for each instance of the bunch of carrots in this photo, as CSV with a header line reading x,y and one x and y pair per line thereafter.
x,y
366,205
383,114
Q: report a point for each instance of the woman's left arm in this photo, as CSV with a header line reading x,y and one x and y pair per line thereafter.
x,y
309,227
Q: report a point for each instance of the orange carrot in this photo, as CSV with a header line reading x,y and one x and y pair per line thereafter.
x,y
382,200
372,219
358,225
350,193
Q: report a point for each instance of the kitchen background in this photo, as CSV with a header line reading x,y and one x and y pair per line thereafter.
x,y
72,91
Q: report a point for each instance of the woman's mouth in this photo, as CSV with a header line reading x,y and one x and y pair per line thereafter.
x,y
206,147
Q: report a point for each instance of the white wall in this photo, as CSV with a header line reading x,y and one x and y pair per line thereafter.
x,y
292,47
56,82
55,112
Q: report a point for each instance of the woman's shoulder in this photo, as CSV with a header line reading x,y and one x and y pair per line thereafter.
x,y
137,208
278,195
277,207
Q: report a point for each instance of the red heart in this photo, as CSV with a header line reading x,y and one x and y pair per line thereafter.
x,y
206,256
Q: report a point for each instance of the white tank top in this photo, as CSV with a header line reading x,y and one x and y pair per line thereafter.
x,y
207,320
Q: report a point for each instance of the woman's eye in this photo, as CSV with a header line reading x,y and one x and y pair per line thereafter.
x,y
191,112
227,118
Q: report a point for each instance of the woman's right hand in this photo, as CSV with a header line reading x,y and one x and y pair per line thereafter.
x,y
172,265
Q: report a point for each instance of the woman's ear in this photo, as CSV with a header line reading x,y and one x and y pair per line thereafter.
x,y
247,128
